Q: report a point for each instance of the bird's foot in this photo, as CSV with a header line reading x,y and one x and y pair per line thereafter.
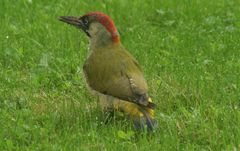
x,y
108,116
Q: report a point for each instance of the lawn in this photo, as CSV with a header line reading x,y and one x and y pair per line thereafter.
x,y
190,53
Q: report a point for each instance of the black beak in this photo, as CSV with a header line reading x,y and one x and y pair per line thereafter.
x,y
76,21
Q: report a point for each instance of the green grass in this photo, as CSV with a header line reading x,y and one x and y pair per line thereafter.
x,y
189,50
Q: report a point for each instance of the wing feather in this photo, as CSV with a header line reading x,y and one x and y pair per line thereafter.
x,y
115,72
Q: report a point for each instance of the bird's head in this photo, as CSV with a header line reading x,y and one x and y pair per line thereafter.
x,y
98,26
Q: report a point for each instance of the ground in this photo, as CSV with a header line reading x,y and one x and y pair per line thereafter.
x,y
189,51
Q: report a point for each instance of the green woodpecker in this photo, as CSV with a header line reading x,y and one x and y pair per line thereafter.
x,y
112,71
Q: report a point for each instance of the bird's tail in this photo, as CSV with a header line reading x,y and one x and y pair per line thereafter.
x,y
141,116
149,116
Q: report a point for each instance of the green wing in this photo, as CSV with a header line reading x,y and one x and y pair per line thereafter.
x,y
116,73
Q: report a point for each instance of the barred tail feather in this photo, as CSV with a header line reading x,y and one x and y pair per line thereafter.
x,y
141,115
150,121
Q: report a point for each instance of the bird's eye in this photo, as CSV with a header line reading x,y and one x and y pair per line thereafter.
x,y
85,21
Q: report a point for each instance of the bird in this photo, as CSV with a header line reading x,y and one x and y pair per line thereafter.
x,y
111,71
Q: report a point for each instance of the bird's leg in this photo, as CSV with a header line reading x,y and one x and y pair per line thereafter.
x,y
108,116
107,107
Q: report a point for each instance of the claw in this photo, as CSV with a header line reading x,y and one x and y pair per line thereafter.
x,y
108,116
